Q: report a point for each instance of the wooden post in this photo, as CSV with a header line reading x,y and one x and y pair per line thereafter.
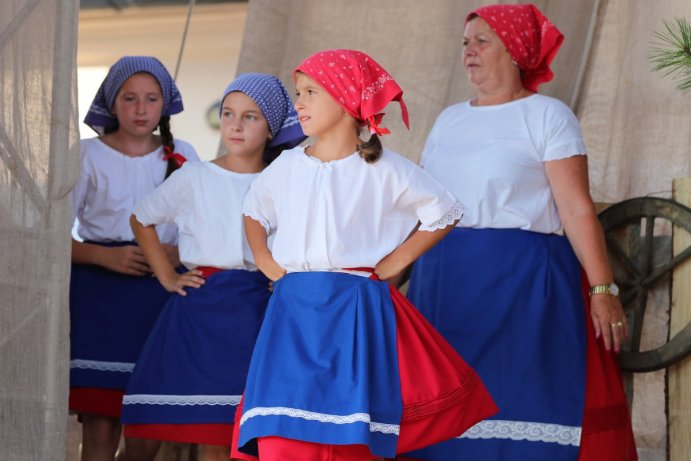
x,y
679,375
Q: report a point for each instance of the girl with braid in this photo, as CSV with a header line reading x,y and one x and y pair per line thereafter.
x,y
114,300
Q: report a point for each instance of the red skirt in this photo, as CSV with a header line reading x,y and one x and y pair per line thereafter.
x,y
606,430
95,400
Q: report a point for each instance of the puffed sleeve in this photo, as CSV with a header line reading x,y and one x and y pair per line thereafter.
x,y
259,202
562,133
434,206
168,200
80,190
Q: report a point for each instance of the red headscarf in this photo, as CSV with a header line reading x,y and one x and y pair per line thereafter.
x,y
532,40
361,86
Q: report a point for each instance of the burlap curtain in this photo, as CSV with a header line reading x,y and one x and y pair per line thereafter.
x,y
38,165
636,125
637,128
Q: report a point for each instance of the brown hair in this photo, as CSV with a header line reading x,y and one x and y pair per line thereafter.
x,y
371,150
167,141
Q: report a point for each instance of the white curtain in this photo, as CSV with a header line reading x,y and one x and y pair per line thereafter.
x,y
38,165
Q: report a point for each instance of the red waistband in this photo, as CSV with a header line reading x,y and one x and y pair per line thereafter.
x,y
208,271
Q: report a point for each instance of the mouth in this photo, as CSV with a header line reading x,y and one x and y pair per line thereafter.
x,y
236,140
141,122
303,118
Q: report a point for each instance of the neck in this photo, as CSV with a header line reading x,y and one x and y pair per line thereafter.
x,y
241,164
500,95
133,146
335,146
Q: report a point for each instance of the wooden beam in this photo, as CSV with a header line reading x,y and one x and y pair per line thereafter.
x,y
679,375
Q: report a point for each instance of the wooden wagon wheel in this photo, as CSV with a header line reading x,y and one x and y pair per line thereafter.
x,y
630,230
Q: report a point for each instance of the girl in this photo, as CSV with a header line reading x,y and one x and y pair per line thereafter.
x,y
340,371
113,300
193,367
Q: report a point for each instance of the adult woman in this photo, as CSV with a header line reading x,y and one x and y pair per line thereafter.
x,y
505,288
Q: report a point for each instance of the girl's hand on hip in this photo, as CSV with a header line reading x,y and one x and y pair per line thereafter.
x,y
270,268
176,283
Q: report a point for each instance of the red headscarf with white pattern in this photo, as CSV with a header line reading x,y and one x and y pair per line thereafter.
x,y
532,40
360,86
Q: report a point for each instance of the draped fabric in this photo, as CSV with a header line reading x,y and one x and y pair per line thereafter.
x,y
39,156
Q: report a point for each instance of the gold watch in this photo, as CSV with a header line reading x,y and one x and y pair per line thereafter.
x,y
605,288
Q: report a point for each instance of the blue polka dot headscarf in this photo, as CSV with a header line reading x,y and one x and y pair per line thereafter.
x,y
99,117
273,100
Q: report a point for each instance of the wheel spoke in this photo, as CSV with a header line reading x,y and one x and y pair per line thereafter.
x,y
614,247
667,267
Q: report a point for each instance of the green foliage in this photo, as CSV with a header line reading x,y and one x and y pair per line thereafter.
x,y
671,54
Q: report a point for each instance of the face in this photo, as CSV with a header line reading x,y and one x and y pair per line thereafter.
x,y
318,111
244,129
138,105
485,58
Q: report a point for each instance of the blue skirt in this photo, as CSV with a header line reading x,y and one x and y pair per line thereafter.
x,y
111,315
193,367
510,302
325,366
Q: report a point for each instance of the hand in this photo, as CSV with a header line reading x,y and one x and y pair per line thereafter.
x,y
270,268
176,283
609,320
172,254
391,267
127,259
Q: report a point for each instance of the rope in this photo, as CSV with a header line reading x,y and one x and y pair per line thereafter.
x,y
190,7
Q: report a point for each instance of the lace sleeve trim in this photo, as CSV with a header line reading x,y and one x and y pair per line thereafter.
x,y
451,216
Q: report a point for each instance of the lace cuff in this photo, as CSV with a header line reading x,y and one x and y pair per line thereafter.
x,y
451,216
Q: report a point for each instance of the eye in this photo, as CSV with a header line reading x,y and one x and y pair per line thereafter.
x,y
311,92
226,114
251,117
465,42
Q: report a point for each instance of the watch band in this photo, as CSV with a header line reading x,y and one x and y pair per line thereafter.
x,y
604,288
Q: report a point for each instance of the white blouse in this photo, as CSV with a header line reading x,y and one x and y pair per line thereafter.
x,y
328,216
492,159
205,201
109,186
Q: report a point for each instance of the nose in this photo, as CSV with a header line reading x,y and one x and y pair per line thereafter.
x,y
141,107
299,104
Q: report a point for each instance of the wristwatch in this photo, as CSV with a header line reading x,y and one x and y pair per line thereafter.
x,y
605,288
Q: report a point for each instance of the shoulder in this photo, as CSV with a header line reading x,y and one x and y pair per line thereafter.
x,y
395,162
287,158
186,149
550,105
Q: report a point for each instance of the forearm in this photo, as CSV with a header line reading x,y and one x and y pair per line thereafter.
x,y
585,234
151,247
87,253
258,242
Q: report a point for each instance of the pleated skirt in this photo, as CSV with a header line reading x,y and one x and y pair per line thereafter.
x,y
513,304
192,370
347,362
111,315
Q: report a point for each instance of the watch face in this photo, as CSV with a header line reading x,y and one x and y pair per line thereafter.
x,y
614,289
